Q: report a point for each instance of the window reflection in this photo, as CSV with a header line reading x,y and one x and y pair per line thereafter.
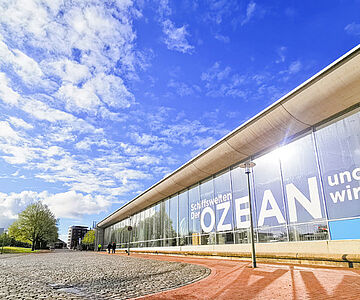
x,y
272,234
309,232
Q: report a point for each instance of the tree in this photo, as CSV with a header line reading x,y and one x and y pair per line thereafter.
x,y
89,239
35,224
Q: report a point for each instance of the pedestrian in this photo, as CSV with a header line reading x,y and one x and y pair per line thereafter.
x,y
109,248
99,247
113,247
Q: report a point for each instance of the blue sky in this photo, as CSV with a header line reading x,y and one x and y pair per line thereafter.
x,y
101,99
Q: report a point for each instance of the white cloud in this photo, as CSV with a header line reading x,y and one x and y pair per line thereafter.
x,y
129,174
68,70
144,139
220,82
75,205
215,72
250,10
12,204
63,205
164,9
112,90
24,66
295,67
20,123
176,37
281,52
7,133
222,38
7,94
353,29
73,43
78,98
181,88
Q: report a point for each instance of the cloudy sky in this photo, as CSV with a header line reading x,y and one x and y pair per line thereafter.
x,y
101,99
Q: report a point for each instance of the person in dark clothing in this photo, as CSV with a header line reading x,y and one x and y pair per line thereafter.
x,y
109,248
113,247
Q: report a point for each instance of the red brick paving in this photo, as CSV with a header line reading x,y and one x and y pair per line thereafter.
x,y
233,279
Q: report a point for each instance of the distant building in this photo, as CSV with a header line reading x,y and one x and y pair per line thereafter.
x,y
59,244
76,234
2,230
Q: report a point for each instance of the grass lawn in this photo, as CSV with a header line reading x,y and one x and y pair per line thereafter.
x,y
17,250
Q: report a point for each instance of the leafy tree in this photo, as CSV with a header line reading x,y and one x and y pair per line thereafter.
x,y
6,240
35,224
89,238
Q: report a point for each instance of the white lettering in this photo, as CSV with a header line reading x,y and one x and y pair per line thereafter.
x,y
242,212
348,191
212,217
312,206
221,226
343,175
335,182
356,174
356,192
338,197
273,212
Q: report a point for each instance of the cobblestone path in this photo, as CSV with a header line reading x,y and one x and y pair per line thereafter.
x,y
88,275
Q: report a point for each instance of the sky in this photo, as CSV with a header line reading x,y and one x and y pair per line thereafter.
x,y
99,100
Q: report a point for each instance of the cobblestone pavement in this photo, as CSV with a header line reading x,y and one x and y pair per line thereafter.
x,y
88,275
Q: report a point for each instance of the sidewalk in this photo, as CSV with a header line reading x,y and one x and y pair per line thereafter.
x,y
232,279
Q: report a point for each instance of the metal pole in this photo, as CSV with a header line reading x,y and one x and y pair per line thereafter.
x,y
253,256
247,166
128,251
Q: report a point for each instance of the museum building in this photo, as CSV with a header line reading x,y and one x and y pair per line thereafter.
x,y
305,185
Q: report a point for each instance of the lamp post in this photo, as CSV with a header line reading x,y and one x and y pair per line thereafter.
x,y
129,236
247,166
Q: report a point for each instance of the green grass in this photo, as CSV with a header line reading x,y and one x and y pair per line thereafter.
x,y
17,250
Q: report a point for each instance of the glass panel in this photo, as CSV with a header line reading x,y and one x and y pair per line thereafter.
x,y
142,226
183,214
240,198
301,180
270,209
173,217
165,217
309,232
242,236
225,238
339,153
208,239
157,222
194,203
223,201
207,206
272,234
152,223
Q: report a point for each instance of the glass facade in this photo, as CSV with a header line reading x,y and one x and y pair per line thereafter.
x,y
307,189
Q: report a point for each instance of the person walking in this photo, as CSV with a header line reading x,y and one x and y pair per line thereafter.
x,y
113,247
109,247
99,247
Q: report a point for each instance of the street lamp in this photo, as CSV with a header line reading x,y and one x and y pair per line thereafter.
x,y
129,228
247,166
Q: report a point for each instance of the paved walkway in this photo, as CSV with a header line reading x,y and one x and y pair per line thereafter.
x,y
231,279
